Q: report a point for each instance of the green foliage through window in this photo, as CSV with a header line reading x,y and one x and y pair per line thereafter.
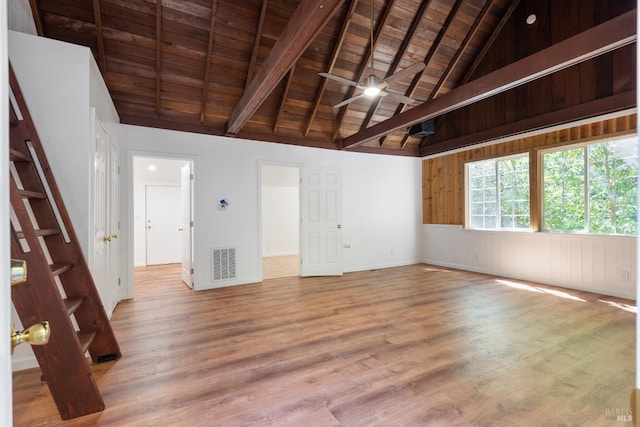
x,y
499,193
592,188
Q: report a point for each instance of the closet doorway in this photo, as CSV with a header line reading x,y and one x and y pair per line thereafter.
x,y
280,220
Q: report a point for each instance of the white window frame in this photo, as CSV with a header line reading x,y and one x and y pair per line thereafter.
x,y
467,191
586,202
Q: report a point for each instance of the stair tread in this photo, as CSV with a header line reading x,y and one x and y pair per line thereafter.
x,y
47,231
72,304
40,232
58,268
86,337
17,156
32,194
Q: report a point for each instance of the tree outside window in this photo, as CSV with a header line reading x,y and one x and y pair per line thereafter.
x,y
592,188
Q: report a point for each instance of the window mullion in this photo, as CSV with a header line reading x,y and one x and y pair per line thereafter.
x,y
497,190
587,216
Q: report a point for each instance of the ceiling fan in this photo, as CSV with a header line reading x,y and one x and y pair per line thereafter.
x,y
374,86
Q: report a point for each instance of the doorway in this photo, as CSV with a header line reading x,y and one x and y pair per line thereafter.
x,y
159,214
280,219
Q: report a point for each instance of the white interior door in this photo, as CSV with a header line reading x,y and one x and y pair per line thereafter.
x,y
186,225
320,222
100,237
113,274
163,217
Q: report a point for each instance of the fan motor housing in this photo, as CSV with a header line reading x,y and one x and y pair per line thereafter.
x,y
420,130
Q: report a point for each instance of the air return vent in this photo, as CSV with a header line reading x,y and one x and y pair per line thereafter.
x,y
420,130
223,264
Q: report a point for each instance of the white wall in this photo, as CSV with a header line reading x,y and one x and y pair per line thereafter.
x,y
54,79
381,198
594,263
61,83
280,210
100,100
20,16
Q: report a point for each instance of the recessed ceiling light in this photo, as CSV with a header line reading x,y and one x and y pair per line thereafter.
x,y
151,167
531,18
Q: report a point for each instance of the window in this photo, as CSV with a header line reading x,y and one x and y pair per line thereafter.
x,y
591,188
498,193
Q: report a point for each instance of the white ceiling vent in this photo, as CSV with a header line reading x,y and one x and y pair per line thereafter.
x,y
223,264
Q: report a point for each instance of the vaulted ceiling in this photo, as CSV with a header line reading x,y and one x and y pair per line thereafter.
x,y
250,68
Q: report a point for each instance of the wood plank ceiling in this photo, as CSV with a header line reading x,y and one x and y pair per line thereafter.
x,y
249,68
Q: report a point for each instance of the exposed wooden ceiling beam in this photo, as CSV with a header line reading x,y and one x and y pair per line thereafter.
x,y
456,58
366,63
283,100
196,127
396,60
97,16
477,60
617,32
620,102
332,63
410,152
36,17
207,65
432,51
158,53
489,43
256,45
463,47
307,21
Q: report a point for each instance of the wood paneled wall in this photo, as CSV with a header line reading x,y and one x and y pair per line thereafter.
x,y
607,75
443,177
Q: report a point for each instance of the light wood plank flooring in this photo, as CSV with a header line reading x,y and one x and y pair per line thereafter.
x,y
277,267
415,345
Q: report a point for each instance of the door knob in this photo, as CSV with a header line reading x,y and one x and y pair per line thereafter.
x,y
114,236
18,271
148,226
106,239
180,229
37,334
339,226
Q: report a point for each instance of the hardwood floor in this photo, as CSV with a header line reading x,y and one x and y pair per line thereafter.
x,y
415,345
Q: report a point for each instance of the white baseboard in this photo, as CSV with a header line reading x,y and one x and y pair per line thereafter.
x,y
22,363
274,254
608,292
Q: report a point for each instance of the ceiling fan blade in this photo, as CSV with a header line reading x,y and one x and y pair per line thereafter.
x,y
340,79
409,71
348,101
400,97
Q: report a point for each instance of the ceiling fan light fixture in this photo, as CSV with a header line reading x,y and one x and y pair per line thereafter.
x,y
372,86
372,91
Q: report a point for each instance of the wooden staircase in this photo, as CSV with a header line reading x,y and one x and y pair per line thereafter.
x,y
59,286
